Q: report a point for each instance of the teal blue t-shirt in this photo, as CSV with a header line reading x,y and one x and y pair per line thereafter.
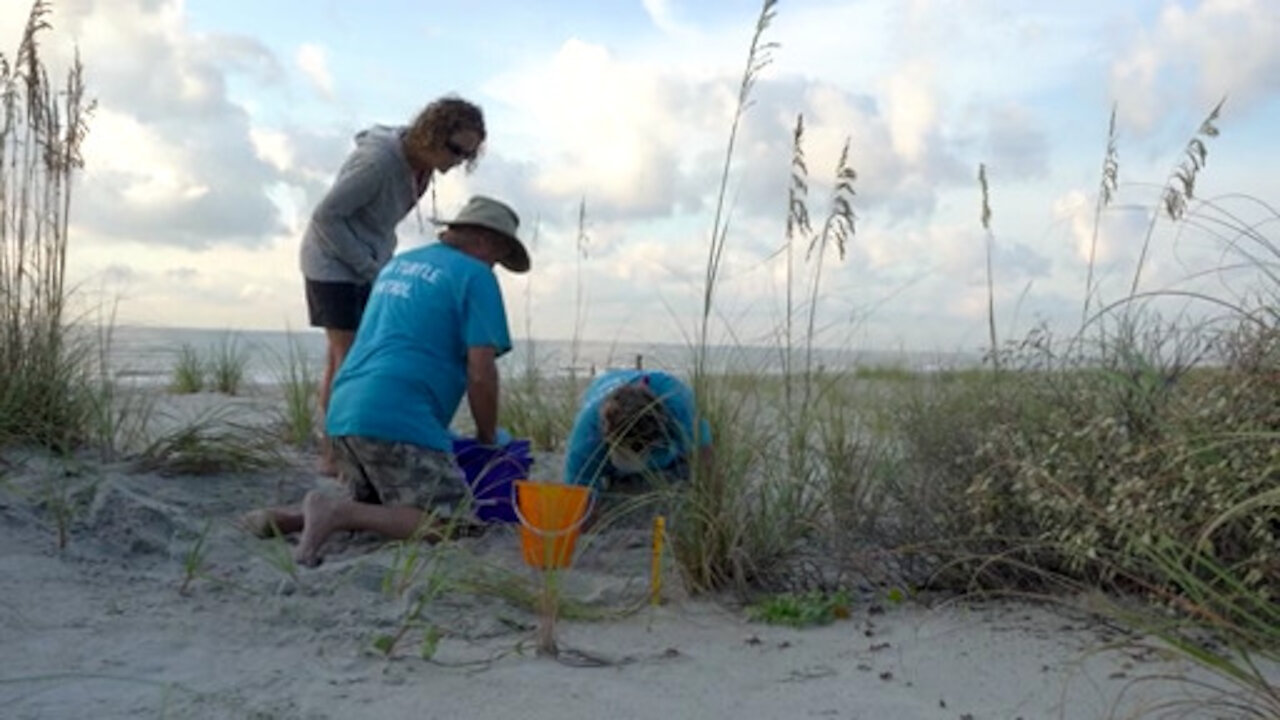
x,y
406,373
586,461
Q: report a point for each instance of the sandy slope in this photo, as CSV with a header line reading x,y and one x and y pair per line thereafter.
x,y
100,630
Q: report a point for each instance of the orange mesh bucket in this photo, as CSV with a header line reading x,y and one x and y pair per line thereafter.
x,y
550,518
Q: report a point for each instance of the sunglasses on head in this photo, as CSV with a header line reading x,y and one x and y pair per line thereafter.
x,y
458,151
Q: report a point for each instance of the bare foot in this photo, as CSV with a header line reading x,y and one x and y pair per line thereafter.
x,y
319,515
268,522
257,523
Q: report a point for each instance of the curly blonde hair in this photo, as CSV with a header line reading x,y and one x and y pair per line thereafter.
x,y
438,121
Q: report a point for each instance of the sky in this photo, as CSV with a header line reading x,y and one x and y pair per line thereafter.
x,y
219,124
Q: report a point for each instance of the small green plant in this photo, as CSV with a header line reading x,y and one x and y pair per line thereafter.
x,y
277,553
188,371
62,488
432,588
194,559
212,443
227,366
804,610
425,573
298,381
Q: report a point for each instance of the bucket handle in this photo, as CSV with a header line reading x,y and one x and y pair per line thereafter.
x,y
471,490
572,528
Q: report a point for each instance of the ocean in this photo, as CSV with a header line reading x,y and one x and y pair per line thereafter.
x,y
147,355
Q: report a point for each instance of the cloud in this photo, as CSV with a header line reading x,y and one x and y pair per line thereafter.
x,y
314,63
1016,145
912,108
1119,230
616,132
169,157
644,142
663,17
1212,49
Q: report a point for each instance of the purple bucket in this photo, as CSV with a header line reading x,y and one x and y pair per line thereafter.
x,y
491,472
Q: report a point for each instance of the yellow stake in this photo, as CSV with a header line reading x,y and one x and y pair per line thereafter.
x,y
655,571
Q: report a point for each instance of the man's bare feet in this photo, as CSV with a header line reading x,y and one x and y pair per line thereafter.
x,y
257,523
267,522
319,516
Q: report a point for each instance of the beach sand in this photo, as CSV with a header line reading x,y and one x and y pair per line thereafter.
x,y
101,628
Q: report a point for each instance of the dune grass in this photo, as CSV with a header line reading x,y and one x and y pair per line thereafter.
x,y
43,366
299,382
188,371
227,364
213,443
1098,457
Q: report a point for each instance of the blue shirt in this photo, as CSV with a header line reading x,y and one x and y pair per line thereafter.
x,y
406,373
587,459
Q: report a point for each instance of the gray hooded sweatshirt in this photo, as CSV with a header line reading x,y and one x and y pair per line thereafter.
x,y
352,232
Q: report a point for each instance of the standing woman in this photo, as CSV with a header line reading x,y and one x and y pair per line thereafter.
x,y
352,233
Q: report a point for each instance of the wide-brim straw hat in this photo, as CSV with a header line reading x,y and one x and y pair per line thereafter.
x,y
485,212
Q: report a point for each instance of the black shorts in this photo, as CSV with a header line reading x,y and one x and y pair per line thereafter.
x,y
336,305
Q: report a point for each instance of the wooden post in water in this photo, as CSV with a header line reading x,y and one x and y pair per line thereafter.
x,y
639,361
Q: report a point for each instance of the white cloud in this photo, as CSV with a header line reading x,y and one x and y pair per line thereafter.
x,y
148,171
912,108
663,17
168,155
1016,145
273,147
313,61
613,131
1213,49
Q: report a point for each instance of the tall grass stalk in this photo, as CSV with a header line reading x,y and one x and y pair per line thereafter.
x,y
1179,189
42,128
707,534
1107,184
837,230
797,226
759,56
531,355
581,243
298,382
991,287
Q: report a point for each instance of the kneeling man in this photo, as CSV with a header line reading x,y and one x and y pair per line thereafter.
x,y
432,331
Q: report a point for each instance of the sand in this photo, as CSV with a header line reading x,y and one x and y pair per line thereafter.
x,y
104,628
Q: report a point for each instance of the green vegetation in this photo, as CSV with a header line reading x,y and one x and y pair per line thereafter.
x,y
299,382
227,366
220,368
188,371
806,610
46,388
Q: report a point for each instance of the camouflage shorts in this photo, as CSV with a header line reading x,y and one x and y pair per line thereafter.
x,y
400,474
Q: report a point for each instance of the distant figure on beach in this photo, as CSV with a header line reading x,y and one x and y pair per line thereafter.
x,y
634,427
352,235
432,332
